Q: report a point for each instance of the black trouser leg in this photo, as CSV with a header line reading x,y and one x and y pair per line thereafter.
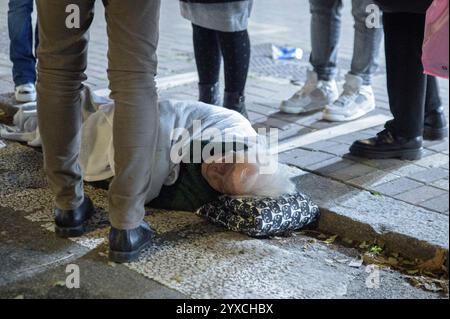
x,y
407,84
236,52
211,45
207,55
432,99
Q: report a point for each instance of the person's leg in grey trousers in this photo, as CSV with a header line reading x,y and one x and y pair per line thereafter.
x,y
368,40
325,34
133,38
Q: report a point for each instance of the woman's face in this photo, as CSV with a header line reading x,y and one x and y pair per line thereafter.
x,y
227,178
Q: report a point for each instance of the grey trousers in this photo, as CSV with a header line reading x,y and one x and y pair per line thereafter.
x,y
133,30
325,35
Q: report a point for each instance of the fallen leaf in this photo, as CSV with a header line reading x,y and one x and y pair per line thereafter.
x,y
413,272
178,279
376,194
19,297
331,239
59,284
435,263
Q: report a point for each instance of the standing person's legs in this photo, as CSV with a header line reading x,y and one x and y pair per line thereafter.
x,y
320,88
325,35
236,53
367,45
133,31
406,86
208,59
21,36
21,49
357,98
62,63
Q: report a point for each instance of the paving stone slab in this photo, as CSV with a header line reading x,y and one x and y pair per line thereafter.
x,y
398,186
421,194
440,204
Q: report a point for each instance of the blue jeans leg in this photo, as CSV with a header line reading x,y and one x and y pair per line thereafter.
x,y
21,36
367,45
325,34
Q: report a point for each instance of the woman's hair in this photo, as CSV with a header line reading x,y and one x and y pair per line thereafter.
x,y
271,185
273,182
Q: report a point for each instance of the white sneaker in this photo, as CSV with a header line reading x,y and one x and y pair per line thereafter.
x,y
315,95
356,101
25,93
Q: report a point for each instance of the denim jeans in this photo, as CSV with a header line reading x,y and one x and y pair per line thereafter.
x,y
133,31
325,34
21,36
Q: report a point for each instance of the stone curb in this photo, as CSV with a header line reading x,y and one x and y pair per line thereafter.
x,y
355,214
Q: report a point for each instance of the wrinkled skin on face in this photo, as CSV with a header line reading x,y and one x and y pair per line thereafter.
x,y
227,178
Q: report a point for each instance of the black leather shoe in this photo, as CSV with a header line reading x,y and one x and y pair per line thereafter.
x,y
126,245
435,125
385,145
71,223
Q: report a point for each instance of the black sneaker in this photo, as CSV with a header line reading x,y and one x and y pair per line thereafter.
x,y
126,245
435,125
72,223
385,145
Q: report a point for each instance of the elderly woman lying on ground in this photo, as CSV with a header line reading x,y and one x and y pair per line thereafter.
x,y
208,160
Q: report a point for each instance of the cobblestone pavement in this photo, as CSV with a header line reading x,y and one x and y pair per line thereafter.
x,y
398,193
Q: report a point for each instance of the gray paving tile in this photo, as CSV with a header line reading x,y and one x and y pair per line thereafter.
x,y
421,194
429,175
303,158
353,171
439,204
397,186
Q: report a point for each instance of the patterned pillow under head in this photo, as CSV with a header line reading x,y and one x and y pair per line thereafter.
x,y
262,217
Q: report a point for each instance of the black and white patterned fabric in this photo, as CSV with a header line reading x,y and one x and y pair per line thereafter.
x,y
262,217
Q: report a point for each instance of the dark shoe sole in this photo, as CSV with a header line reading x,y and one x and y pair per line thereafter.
x,y
408,155
435,134
129,256
70,232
